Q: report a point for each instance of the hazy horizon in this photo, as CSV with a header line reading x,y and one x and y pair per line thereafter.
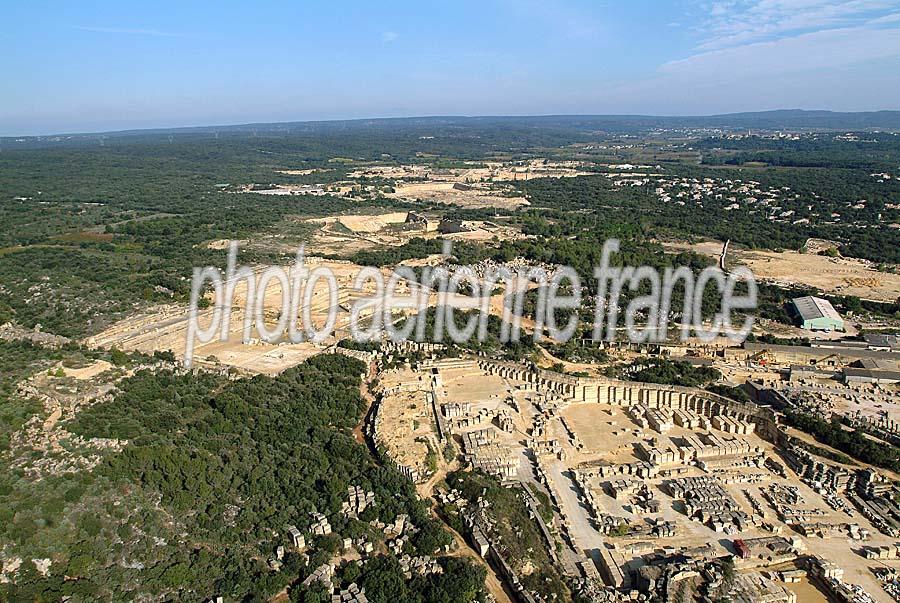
x,y
109,67
207,125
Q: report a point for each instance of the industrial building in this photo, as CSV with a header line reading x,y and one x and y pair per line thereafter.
x,y
863,375
885,342
816,314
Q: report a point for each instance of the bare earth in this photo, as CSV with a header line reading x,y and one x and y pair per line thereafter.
x,y
444,192
841,276
165,328
372,223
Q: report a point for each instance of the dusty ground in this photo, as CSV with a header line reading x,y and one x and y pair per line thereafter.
x,y
806,592
445,192
479,184
372,223
778,329
165,328
222,244
869,400
329,239
405,417
345,235
87,372
841,276
487,390
537,168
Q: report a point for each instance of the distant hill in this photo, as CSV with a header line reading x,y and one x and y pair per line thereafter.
x,y
798,118
779,119
574,126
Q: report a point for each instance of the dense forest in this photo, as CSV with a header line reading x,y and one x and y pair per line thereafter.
x,y
212,473
863,234
868,151
672,372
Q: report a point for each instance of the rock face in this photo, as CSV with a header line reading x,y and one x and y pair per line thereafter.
x,y
13,332
61,398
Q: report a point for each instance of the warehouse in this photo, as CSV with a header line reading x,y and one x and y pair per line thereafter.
x,y
816,314
864,375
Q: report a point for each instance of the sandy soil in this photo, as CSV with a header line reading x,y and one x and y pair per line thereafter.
x,y
345,235
329,240
406,417
842,276
444,192
89,371
372,223
481,389
806,592
165,328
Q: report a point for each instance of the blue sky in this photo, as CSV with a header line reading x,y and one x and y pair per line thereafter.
x,y
93,66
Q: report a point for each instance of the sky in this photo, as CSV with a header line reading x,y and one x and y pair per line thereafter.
x,y
99,66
